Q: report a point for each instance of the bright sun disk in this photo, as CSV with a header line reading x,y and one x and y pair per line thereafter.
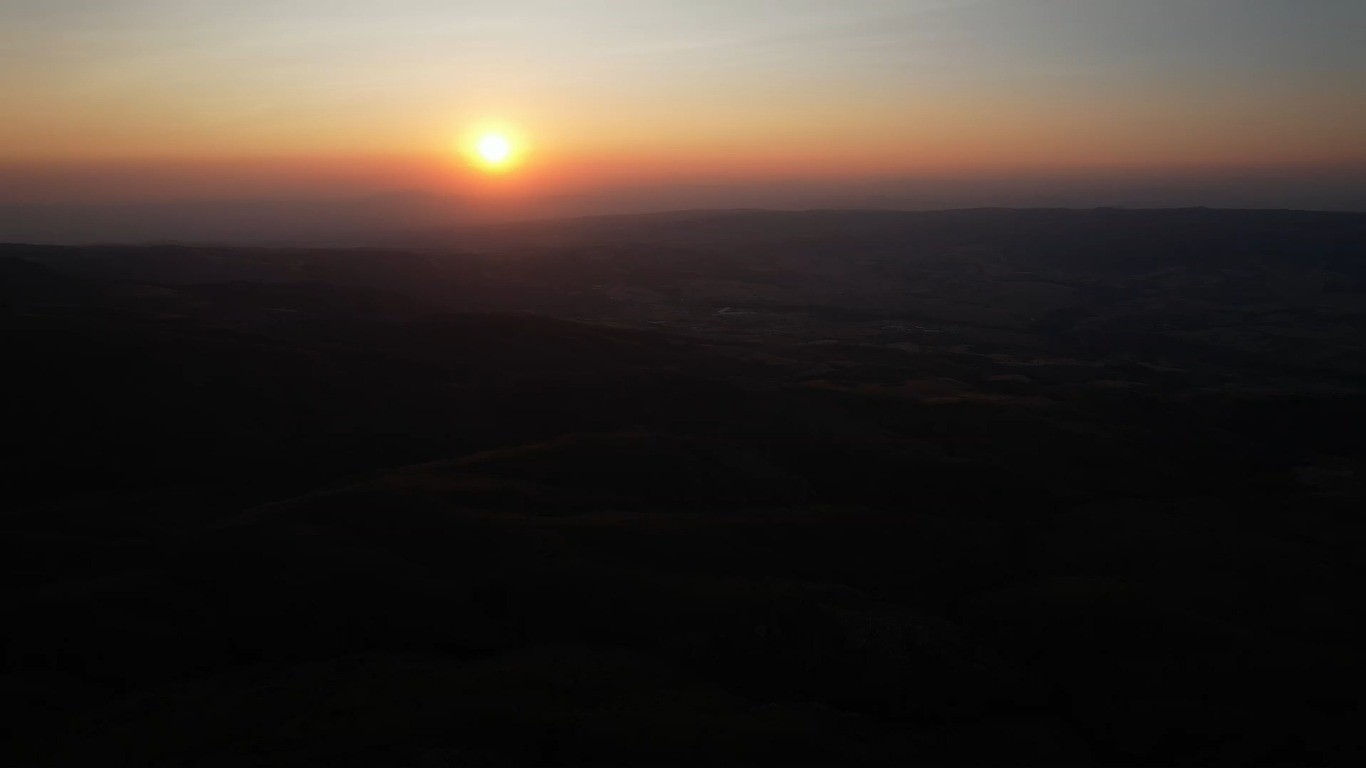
x,y
494,148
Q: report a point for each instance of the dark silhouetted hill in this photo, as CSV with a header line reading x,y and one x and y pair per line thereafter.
x,y
985,487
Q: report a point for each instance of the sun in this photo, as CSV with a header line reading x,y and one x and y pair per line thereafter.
x,y
494,151
494,148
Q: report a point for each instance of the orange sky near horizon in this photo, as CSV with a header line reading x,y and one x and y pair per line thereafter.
x,y
141,99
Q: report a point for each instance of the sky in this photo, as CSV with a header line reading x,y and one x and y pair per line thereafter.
x,y
121,100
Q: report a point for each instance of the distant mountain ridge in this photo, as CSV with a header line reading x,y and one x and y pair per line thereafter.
x,y
343,218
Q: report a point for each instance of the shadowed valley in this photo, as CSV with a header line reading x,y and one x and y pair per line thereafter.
x,y
970,487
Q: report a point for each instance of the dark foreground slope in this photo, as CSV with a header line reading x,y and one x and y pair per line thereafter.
x,y
989,487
